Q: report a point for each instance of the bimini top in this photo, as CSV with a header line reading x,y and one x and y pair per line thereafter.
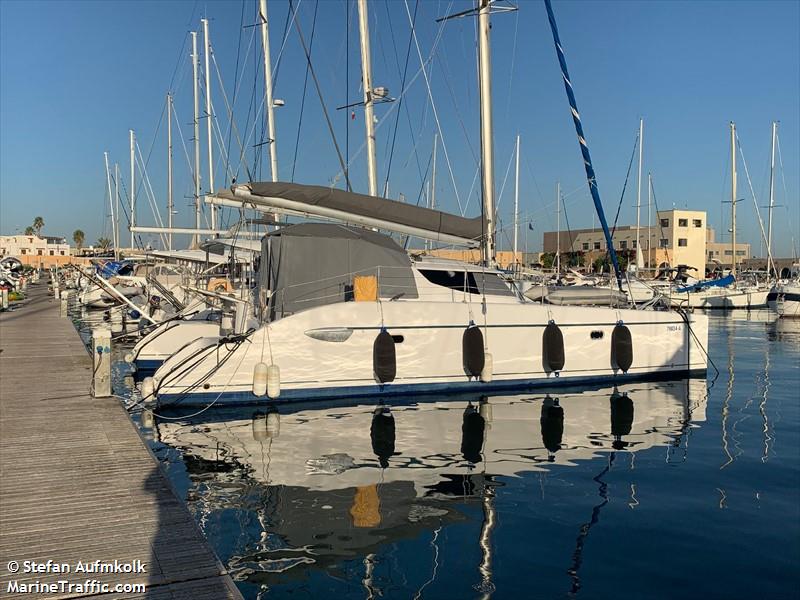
x,y
313,264
360,209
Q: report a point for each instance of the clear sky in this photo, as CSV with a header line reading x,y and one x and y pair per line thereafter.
x,y
75,76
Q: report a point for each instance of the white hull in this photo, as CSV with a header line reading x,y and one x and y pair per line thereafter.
x,y
429,350
720,299
788,300
167,339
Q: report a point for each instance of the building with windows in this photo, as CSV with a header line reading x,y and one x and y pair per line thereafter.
x,y
720,253
677,237
36,250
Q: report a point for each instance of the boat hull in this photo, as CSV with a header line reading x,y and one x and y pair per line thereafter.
x,y
428,346
721,299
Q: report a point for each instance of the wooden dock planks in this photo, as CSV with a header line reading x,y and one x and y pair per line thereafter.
x,y
77,482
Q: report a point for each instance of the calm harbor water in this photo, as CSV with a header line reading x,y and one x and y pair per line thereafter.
x,y
651,490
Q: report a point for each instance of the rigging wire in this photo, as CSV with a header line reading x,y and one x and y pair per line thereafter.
x,y
430,98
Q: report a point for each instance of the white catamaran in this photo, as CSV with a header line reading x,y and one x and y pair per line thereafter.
x,y
344,311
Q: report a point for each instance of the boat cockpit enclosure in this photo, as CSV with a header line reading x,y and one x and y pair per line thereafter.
x,y
314,264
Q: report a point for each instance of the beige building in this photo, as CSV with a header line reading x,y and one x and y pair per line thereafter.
x,y
721,252
35,250
678,237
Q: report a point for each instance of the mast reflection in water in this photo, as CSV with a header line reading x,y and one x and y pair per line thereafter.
x,y
326,494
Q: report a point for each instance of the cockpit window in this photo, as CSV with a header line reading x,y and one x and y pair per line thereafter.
x,y
472,283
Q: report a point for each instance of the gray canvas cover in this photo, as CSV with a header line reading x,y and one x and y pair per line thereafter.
x,y
369,206
313,264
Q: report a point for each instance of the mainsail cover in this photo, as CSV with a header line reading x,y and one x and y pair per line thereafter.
x,y
722,282
378,209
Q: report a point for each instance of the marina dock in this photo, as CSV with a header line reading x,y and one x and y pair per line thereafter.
x,y
77,482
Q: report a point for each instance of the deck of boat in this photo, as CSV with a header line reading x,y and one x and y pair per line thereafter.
x,y
77,482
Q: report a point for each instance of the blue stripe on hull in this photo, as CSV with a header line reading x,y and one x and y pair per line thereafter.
x,y
403,389
145,368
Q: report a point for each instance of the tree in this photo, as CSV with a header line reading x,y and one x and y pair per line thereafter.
x,y
29,230
78,237
38,224
547,259
104,243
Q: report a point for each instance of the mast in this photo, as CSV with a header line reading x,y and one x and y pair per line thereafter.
x,y
733,198
369,113
639,193
433,170
516,202
209,120
111,204
133,185
487,149
273,147
770,265
169,170
196,124
558,227
116,220
649,218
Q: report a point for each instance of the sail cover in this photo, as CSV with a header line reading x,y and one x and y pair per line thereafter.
x,y
313,264
388,212
723,282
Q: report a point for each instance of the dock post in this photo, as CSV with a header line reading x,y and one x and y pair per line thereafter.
x,y
115,318
101,352
64,303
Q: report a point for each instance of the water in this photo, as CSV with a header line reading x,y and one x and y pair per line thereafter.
x,y
647,491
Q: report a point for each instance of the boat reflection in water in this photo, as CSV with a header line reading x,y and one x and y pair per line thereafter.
x,y
315,485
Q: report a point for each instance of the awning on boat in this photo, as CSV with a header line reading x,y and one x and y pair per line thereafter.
x,y
314,264
360,209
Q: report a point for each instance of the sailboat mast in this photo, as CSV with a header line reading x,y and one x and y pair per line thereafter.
x,y
487,149
116,219
516,202
196,124
639,192
133,184
111,204
169,170
369,113
209,119
649,219
433,170
558,227
770,265
273,146
733,199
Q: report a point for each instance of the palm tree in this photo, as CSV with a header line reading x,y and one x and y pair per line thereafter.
x,y
78,237
29,230
104,243
38,224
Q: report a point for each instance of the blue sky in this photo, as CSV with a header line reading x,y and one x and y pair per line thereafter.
x,y
75,76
